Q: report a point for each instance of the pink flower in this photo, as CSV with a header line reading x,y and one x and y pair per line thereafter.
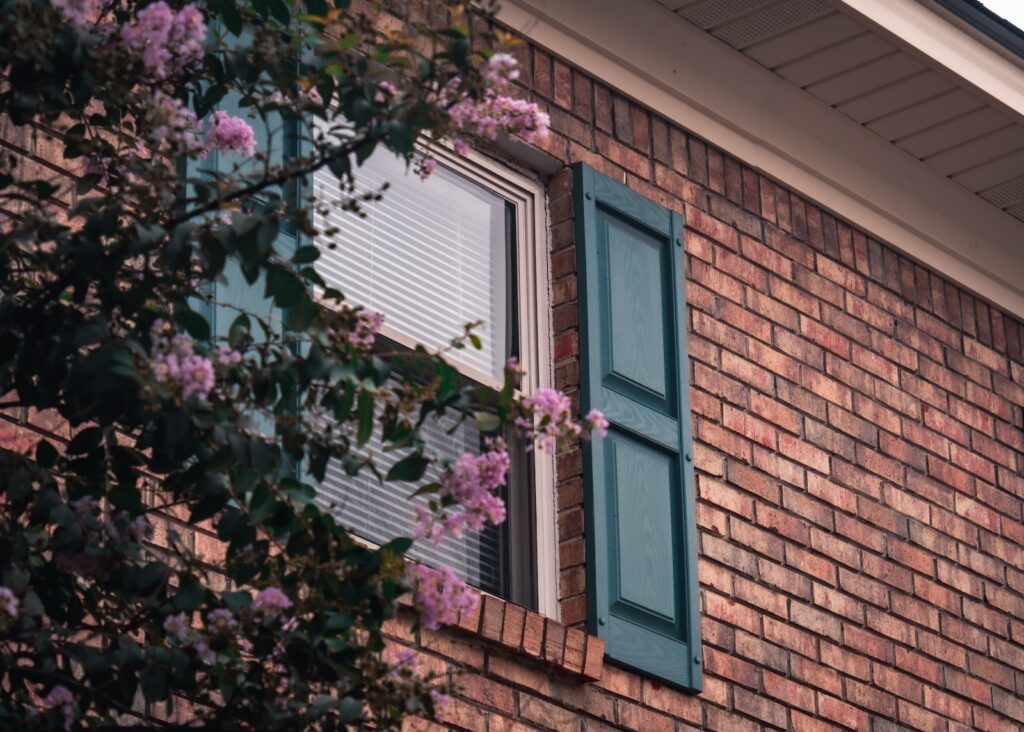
x,y
470,483
9,602
598,424
385,90
441,700
171,122
176,364
220,620
226,356
206,654
167,43
61,698
197,376
427,167
270,602
81,13
176,626
367,325
230,134
549,418
439,595
290,625
501,69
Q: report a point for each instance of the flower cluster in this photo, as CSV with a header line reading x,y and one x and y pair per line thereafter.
x,y
221,620
172,122
61,698
469,484
270,602
490,113
551,413
439,595
501,69
9,602
597,423
80,13
230,134
367,325
167,43
496,112
178,366
123,529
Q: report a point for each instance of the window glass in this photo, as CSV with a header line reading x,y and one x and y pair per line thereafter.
x,y
429,255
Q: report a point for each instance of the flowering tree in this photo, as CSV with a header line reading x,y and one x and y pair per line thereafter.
x,y
105,292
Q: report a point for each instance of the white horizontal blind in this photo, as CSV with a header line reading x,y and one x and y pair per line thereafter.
x,y
430,255
381,512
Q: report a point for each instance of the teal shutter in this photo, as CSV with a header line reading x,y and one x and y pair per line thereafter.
x,y
641,530
235,292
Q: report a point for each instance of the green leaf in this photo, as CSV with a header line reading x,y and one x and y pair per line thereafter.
x,y
46,455
365,417
236,601
196,325
190,596
411,467
486,422
240,328
428,489
86,440
306,255
155,685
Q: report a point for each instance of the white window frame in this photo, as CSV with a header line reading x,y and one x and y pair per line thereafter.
x,y
533,298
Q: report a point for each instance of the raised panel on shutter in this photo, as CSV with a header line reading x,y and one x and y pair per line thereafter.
x,y
641,532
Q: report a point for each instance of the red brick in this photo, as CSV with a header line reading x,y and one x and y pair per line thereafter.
x,y
842,713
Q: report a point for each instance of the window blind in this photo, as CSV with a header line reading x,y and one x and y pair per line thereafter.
x,y
430,255
380,512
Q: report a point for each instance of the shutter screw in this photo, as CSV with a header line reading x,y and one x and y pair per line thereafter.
x,y
679,241
689,458
601,620
590,196
696,660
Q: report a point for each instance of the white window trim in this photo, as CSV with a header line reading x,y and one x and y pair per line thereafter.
x,y
705,86
533,297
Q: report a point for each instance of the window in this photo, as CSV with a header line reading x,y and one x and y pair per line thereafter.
x,y
432,256
641,530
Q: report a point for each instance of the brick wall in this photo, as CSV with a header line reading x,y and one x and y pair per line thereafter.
x,y
859,453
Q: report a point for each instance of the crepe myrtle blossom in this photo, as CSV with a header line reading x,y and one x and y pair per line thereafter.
x,y
385,91
9,602
270,602
61,698
176,626
439,595
501,69
550,418
81,13
368,323
174,124
230,134
167,43
176,365
470,484
220,620
597,423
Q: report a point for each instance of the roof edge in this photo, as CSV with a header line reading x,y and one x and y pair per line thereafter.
x,y
986,21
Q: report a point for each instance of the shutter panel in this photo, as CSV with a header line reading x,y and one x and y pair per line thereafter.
x,y
641,532
235,291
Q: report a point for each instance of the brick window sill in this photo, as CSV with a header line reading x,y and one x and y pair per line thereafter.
x,y
569,651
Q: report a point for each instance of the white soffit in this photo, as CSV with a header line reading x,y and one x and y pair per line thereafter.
x,y
827,104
